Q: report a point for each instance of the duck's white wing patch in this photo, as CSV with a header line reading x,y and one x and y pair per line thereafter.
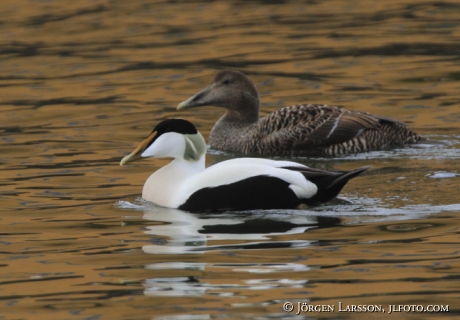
x,y
264,162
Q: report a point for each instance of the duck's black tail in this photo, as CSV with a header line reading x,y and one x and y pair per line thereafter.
x,y
329,183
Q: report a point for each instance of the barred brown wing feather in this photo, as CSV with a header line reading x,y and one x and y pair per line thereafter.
x,y
300,126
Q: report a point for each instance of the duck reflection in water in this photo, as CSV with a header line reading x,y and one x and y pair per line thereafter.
x,y
179,232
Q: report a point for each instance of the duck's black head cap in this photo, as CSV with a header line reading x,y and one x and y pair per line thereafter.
x,y
175,125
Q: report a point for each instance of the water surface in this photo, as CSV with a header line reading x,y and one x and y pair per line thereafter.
x,y
83,82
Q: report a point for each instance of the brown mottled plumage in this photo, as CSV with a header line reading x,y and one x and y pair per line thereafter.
x,y
310,129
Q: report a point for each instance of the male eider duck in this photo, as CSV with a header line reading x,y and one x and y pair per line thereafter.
x,y
309,129
237,184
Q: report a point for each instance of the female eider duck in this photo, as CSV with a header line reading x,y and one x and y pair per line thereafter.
x,y
237,184
309,129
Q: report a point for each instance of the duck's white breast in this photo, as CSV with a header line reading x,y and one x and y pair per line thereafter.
x,y
166,186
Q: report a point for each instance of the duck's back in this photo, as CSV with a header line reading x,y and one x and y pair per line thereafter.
x,y
314,130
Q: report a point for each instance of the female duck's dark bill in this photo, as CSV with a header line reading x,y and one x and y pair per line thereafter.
x,y
194,101
137,154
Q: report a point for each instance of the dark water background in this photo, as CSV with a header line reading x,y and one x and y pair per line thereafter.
x,y
83,82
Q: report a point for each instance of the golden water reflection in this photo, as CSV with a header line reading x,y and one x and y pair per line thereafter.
x,y
82,82
362,258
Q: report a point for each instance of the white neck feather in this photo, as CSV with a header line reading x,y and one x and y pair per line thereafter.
x,y
164,187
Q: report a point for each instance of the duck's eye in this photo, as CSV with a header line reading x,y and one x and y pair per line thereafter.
x,y
226,82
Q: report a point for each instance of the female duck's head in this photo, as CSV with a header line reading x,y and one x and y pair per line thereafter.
x,y
231,90
174,138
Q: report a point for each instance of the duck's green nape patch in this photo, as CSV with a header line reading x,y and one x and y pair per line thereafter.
x,y
195,146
